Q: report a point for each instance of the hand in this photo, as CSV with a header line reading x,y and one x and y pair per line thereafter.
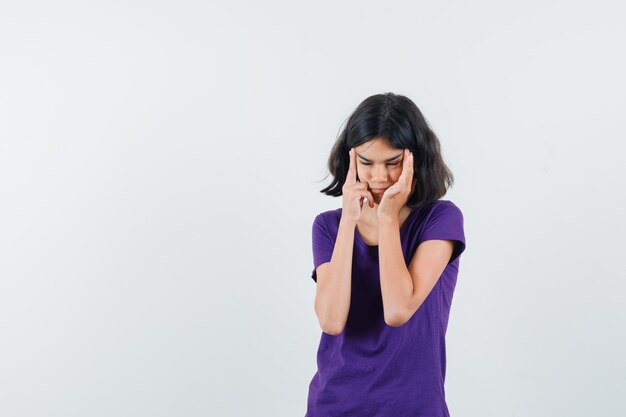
x,y
353,192
396,196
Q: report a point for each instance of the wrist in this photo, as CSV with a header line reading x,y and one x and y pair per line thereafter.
x,y
388,221
347,222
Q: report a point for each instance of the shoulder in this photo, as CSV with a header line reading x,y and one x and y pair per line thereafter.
x,y
444,221
444,204
444,208
328,217
327,221
443,216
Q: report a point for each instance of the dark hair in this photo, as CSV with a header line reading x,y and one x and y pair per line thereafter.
x,y
397,119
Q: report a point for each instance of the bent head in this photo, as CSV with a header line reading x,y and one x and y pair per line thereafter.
x,y
379,129
379,164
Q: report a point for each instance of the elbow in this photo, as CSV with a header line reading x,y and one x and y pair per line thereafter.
x,y
400,316
332,329
329,323
396,319
333,332
331,320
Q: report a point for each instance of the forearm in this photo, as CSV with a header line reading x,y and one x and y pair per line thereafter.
x,y
332,300
396,283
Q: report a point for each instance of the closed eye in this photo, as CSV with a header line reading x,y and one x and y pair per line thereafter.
x,y
393,163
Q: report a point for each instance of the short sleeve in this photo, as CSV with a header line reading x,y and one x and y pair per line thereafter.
x,y
446,223
323,244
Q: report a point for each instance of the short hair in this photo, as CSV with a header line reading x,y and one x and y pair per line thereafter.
x,y
397,119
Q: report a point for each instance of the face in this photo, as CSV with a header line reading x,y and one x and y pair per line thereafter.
x,y
378,164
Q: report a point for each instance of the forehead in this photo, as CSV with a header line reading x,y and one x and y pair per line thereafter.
x,y
377,149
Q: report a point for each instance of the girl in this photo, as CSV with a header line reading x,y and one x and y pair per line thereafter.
x,y
385,267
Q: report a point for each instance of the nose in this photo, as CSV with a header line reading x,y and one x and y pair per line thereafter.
x,y
379,174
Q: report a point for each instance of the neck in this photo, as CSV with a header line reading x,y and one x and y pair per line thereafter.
x,y
370,216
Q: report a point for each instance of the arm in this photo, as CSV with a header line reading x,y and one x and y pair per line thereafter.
x,y
396,284
334,282
404,289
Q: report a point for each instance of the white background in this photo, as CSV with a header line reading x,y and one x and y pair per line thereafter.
x,y
160,168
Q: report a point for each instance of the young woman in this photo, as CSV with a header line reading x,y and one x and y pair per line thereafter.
x,y
385,265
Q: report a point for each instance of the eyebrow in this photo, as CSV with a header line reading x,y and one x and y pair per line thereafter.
x,y
386,160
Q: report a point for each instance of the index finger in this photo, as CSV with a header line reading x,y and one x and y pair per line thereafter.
x,y
351,177
408,166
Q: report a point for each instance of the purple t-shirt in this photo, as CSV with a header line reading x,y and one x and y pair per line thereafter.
x,y
370,368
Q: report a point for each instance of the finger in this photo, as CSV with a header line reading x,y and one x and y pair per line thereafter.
x,y
408,168
353,162
392,191
368,195
370,200
351,177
